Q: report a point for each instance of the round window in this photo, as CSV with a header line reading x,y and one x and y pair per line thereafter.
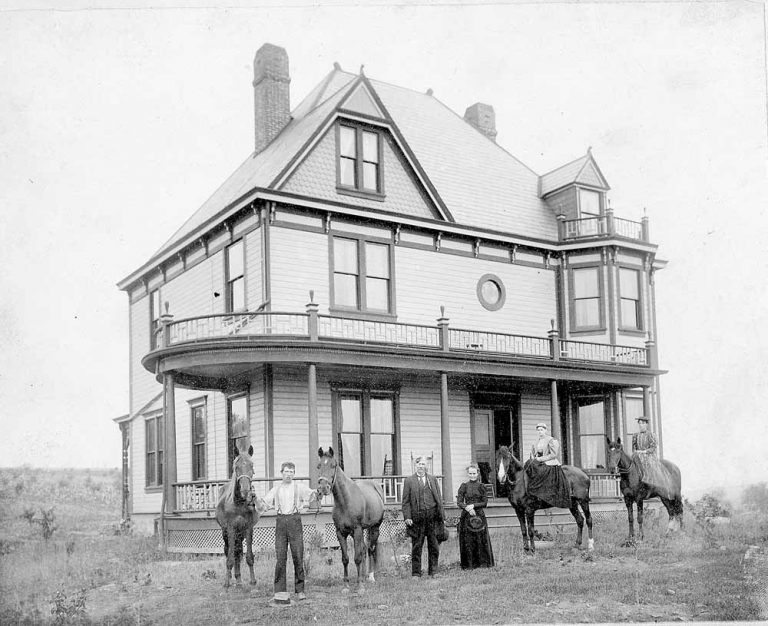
x,y
490,292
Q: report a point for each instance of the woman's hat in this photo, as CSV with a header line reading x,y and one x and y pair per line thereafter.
x,y
542,425
476,524
642,418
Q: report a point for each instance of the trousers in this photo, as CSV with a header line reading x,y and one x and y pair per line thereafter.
x,y
425,527
289,532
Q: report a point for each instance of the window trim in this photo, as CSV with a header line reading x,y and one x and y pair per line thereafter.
x,y
229,280
577,436
640,330
634,395
491,306
154,317
574,328
362,309
357,189
600,202
156,420
199,403
365,395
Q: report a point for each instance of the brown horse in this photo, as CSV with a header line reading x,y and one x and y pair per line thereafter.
x,y
236,513
512,471
635,490
356,506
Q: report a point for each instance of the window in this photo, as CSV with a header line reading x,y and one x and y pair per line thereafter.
x,y
630,317
235,277
364,422
154,318
198,414
587,304
359,159
589,211
633,408
491,292
362,275
591,425
237,427
154,436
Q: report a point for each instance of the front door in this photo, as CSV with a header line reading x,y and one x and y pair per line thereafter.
x,y
494,426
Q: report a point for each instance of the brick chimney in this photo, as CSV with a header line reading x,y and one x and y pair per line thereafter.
x,y
482,117
271,95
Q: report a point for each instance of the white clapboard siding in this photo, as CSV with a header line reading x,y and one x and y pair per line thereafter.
x,y
420,423
144,387
193,292
256,414
461,442
298,265
426,279
254,283
289,419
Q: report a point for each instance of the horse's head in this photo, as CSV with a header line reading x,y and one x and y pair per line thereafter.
x,y
327,469
243,473
615,452
507,465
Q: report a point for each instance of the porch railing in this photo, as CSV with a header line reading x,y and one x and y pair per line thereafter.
x,y
603,226
604,485
203,495
311,326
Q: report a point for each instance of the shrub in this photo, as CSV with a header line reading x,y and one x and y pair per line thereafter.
x,y
66,610
755,498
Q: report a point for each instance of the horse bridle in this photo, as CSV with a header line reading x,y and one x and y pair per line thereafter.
x,y
619,469
333,479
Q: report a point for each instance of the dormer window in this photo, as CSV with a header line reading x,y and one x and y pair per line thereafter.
x,y
359,150
589,203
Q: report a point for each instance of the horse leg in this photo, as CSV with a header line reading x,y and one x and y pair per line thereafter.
x,y
227,557
373,557
630,518
342,538
359,552
529,515
238,554
523,527
249,553
579,521
588,517
671,506
640,519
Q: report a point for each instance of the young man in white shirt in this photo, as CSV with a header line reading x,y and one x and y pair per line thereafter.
x,y
289,499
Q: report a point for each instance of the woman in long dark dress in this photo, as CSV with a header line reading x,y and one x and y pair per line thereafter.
x,y
474,541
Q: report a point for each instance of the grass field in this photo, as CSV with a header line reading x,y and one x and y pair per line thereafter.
x,y
89,573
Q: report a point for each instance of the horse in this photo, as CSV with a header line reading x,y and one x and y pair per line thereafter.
x,y
635,490
509,469
236,512
357,505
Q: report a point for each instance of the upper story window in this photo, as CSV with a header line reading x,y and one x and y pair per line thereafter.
x,y
589,203
235,277
153,451
154,317
586,298
198,441
362,275
365,428
630,310
360,156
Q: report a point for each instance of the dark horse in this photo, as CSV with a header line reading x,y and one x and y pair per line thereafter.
x,y
356,506
237,513
635,490
513,471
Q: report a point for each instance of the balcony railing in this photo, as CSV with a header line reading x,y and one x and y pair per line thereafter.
x,y
203,495
603,226
311,326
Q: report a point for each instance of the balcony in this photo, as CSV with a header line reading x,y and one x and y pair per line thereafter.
x,y
602,227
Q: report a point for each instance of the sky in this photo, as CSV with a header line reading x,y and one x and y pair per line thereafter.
x,y
117,123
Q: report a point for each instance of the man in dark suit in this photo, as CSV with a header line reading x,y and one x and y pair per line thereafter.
x,y
423,512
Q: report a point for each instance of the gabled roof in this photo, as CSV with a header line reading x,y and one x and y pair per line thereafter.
x,y
475,181
583,170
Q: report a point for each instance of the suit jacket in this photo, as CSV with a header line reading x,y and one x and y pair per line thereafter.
x,y
411,488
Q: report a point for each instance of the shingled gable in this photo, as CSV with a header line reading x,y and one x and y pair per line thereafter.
x,y
312,173
583,170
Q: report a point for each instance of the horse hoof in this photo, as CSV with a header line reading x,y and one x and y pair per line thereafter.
x,y
590,545
345,590
371,578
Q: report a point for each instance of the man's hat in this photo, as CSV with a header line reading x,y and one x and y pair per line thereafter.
x,y
475,524
642,418
542,425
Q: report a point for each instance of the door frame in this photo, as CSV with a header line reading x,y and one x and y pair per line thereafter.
x,y
509,402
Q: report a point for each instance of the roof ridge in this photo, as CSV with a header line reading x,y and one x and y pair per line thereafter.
x,y
586,156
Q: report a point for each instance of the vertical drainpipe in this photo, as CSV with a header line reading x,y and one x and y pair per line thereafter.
x,y
445,440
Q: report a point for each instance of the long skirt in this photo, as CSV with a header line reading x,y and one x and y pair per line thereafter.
x,y
654,474
549,484
474,545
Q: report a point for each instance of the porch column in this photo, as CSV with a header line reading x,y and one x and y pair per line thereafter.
x,y
314,442
554,409
126,513
445,440
647,408
169,449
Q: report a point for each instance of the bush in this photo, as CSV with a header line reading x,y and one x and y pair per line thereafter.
x,y
67,610
755,498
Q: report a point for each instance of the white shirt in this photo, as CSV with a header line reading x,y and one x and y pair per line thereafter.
x,y
289,498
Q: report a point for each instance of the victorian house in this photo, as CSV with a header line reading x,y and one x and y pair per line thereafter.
x,y
382,277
